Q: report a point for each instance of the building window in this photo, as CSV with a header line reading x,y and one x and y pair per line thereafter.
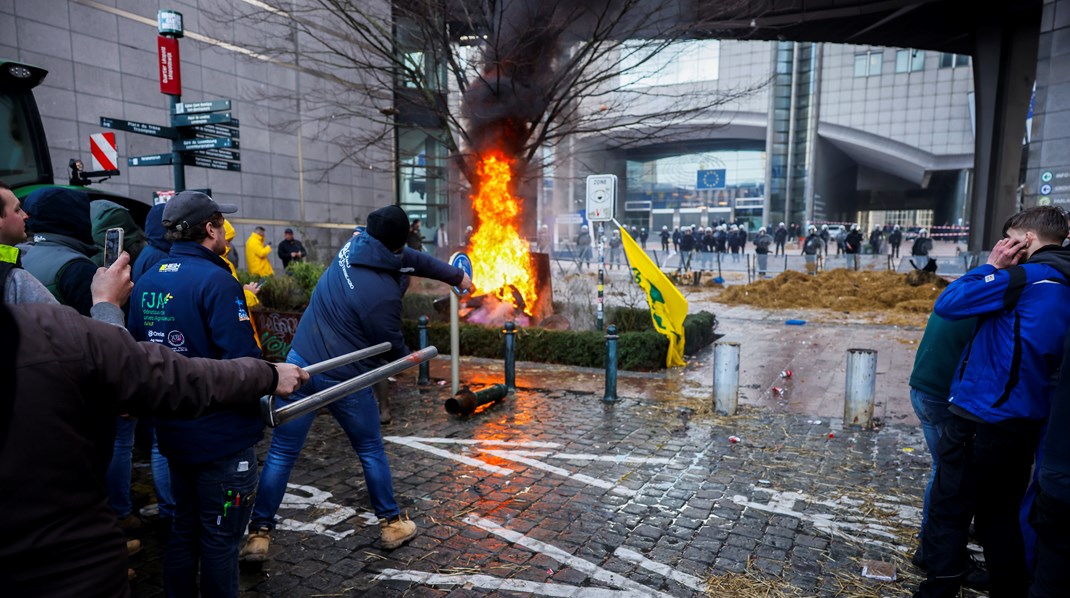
x,y
948,60
644,63
868,64
909,61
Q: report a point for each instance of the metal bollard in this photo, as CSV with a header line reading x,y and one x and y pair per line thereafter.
x,y
611,365
424,377
726,377
510,356
861,387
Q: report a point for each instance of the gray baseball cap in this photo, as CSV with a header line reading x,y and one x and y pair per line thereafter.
x,y
191,208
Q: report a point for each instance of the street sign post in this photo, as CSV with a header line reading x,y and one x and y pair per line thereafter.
x,y
202,143
206,162
140,128
217,131
199,107
150,160
202,118
601,197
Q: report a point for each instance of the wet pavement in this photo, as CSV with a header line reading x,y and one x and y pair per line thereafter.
x,y
551,492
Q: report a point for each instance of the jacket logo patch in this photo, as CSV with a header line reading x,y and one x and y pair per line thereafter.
x,y
176,338
243,315
150,300
170,267
990,278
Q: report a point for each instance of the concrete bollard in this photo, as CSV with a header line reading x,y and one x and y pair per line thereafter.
x,y
726,377
861,388
510,356
424,378
611,365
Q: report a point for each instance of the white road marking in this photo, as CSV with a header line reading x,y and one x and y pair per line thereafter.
x,y
590,457
317,499
577,563
411,443
597,483
509,585
521,443
664,570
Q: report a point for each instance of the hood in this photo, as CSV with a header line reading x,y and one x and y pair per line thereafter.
x,y
1054,256
368,252
59,211
106,214
154,229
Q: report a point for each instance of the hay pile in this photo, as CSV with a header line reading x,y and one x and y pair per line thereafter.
x,y
841,290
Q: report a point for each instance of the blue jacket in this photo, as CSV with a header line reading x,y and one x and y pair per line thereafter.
x,y
192,304
357,303
1007,369
157,249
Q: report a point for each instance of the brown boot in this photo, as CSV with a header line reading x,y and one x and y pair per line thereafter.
x,y
256,547
133,547
130,523
396,531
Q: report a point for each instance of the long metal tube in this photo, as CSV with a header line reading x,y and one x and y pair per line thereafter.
x,y
276,417
335,362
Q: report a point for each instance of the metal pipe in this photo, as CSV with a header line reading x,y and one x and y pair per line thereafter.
x,y
466,402
335,362
861,387
276,417
611,365
424,378
510,356
455,344
726,377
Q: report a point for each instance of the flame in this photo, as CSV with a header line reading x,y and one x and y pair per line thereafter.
x,y
500,259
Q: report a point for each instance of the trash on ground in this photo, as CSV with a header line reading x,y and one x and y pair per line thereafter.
x,y
908,449
785,374
832,435
878,570
733,439
795,322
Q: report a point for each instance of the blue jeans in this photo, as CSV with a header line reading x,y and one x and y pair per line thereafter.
x,y
933,413
118,475
213,503
358,414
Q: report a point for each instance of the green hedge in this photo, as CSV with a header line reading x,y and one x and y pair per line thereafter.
x,y
643,350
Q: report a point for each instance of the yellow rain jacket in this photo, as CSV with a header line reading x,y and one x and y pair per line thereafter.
x,y
251,300
256,256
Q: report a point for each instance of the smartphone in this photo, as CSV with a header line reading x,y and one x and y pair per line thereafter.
x,y
113,246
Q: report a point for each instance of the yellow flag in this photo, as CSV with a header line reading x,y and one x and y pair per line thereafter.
x,y
668,308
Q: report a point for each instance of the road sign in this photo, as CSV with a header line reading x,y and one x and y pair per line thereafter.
x,y
219,154
1046,176
169,22
203,118
170,65
206,143
216,131
198,107
601,197
150,160
139,128
461,260
1045,189
206,162
105,154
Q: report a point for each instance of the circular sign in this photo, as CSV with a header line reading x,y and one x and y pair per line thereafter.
x,y
1045,177
1044,201
461,260
1045,189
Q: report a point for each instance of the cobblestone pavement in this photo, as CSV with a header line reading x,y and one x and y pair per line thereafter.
x,y
551,492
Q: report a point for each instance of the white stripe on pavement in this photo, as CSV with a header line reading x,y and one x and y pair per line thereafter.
x,y
661,569
409,442
509,585
579,477
581,565
523,443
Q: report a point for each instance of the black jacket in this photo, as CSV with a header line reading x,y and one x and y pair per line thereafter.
x,y
288,247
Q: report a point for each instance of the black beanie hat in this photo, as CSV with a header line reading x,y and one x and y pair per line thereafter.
x,y
390,225
59,211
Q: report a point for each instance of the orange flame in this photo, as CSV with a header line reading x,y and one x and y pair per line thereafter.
x,y
500,259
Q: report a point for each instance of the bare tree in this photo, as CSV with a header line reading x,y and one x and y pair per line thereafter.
x,y
516,75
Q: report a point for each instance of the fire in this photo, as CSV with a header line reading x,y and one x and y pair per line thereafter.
x,y
500,261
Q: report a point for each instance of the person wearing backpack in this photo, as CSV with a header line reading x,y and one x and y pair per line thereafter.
x,y
761,250
811,248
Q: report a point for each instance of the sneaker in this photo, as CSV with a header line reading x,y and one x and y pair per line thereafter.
x,y
149,511
396,531
256,547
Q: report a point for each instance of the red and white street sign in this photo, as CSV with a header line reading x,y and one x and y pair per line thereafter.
x,y
169,65
105,156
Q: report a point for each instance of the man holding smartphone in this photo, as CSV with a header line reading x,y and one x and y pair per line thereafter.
x,y
191,304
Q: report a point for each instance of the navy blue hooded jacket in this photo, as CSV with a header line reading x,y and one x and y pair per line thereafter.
x,y
1007,370
357,303
193,305
157,249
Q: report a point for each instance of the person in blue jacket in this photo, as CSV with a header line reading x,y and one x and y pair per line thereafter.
x,y
356,304
1000,400
192,304
158,245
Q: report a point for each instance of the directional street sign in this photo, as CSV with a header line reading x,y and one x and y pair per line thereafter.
x,y
150,160
204,118
217,131
219,154
206,143
205,162
139,128
198,107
